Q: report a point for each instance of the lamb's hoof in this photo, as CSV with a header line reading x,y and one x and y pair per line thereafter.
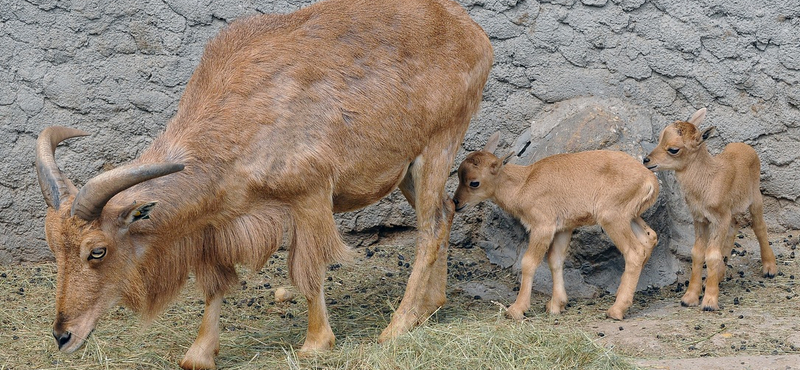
x,y
615,314
769,271
690,301
710,305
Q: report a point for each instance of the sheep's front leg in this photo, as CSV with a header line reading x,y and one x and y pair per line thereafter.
x,y
692,295
316,243
319,335
201,354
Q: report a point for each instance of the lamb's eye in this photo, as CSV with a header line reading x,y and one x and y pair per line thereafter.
x,y
474,184
97,253
673,151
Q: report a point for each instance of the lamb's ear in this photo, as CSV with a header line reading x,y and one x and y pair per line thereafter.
x,y
497,166
136,212
507,157
705,134
491,144
698,117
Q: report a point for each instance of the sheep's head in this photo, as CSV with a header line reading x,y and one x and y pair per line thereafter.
x,y
91,243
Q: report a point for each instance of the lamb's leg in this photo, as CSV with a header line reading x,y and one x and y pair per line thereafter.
x,y
635,254
718,236
692,295
555,258
540,240
769,267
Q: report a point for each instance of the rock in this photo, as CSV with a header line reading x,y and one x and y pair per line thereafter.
x,y
282,295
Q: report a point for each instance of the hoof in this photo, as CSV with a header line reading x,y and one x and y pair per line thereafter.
x,y
615,314
554,308
197,364
515,313
690,301
710,305
318,345
769,270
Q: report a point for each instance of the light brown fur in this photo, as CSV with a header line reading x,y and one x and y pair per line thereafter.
x,y
558,194
716,189
287,119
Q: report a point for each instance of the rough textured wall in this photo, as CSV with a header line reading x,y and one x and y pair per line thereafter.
x,y
117,70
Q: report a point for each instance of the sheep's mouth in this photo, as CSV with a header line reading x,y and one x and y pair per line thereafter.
x,y
74,343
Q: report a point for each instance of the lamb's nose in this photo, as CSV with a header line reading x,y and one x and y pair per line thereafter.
x,y
646,160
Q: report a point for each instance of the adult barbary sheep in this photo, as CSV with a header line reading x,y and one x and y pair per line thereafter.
x,y
557,194
716,189
286,120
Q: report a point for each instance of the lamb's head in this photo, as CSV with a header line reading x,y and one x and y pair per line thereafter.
x,y
678,144
477,179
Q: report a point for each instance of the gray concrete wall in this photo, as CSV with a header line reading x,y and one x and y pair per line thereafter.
x,y
117,70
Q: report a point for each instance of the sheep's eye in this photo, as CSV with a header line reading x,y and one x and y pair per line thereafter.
x,y
673,151
474,184
97,253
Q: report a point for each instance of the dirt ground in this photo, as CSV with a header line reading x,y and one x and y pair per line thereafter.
x,y
757,327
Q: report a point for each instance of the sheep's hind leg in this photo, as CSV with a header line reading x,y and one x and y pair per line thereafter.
x,y
424,188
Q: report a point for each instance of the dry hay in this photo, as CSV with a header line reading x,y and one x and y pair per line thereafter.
x,y
258,333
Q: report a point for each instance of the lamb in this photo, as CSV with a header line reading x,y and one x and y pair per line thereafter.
x,y
716,189
558,194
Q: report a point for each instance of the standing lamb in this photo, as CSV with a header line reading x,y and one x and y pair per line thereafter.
x,y
558,194
716,189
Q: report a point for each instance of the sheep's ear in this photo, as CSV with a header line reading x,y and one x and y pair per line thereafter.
x,y
491,144
698,117
136,212
705,134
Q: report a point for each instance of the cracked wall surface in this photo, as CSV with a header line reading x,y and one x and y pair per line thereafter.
x,y
117,69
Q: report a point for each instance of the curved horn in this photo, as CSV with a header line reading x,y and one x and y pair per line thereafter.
x,y
54,186
100,189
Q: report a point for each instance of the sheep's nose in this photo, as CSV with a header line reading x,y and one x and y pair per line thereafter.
x,y
646,160
455,201
62,338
